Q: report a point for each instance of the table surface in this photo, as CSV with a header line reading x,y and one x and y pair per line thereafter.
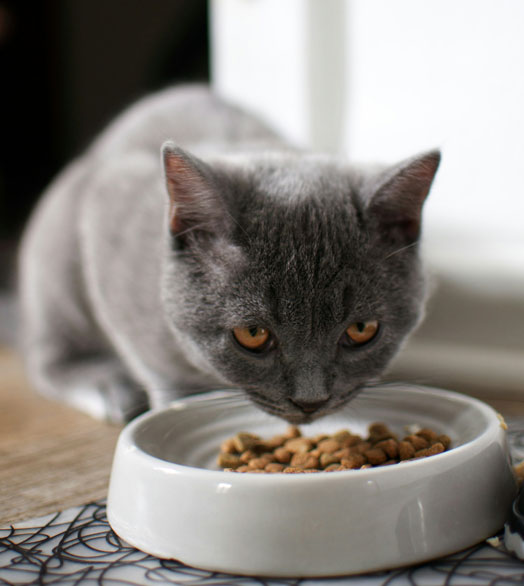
x,y
53,457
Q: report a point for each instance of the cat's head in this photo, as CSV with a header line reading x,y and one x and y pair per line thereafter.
x,y
293,277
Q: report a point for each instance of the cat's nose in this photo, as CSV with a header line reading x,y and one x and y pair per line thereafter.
x,y
309,406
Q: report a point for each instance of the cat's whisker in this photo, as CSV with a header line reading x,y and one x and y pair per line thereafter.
x,y
193,228
401,249
235,221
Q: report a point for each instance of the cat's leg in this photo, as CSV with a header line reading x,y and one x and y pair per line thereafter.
x,y
66,355
95,384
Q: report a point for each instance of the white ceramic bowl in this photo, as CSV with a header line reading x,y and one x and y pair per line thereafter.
x,y
167,497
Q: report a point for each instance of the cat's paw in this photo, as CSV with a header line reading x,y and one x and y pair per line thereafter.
x,y
112,398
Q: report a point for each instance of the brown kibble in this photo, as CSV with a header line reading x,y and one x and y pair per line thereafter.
x,y
436,448
327,459
379,431
293,431
335,468
282,455
261,462
428,434
375,456
419,443
291,453
245,441
390,462
445,440
228,446
328,446
273,467
350,441
361,448
519,472
248,455
354,461
304,460
274,442
298,445
377,428
405,450
390,447
228,460
341,435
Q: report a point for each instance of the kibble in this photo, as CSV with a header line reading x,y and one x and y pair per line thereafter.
x,y
389,446
244,441
282,455
274,467
327,459
375,456
304,460
417,441
299,445
292,453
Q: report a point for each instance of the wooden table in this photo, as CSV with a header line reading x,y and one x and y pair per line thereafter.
x,y
51,456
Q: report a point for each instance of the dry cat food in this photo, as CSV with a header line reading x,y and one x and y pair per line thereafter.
x,y
293,453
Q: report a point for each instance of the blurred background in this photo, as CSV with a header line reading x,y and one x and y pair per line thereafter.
x,y
67,67
372,80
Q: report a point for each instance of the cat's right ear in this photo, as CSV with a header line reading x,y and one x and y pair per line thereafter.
x,y
397,203
193,207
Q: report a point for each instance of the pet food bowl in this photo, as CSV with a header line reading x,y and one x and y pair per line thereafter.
x,y
168,498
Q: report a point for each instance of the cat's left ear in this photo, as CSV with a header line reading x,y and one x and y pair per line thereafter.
x,y
194,206
397,203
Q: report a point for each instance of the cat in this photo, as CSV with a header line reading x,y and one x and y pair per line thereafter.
x,y
154,269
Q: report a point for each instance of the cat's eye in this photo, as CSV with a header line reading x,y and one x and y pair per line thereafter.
x,y
253,338
360,333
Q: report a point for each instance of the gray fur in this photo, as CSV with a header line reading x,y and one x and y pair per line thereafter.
x,y
131,281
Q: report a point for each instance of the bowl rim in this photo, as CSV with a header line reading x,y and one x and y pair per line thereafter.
x,y
127,442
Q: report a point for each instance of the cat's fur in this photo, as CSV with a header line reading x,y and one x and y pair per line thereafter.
x,y
134,272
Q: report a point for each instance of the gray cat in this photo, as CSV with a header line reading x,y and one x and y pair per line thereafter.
x,y
231,261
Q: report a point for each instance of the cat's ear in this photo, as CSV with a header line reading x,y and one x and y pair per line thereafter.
x,y
194,206
397,203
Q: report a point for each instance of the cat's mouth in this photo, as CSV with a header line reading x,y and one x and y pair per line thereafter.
x,y
295,414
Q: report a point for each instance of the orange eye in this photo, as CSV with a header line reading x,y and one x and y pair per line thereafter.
x,y
252,338
362,331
